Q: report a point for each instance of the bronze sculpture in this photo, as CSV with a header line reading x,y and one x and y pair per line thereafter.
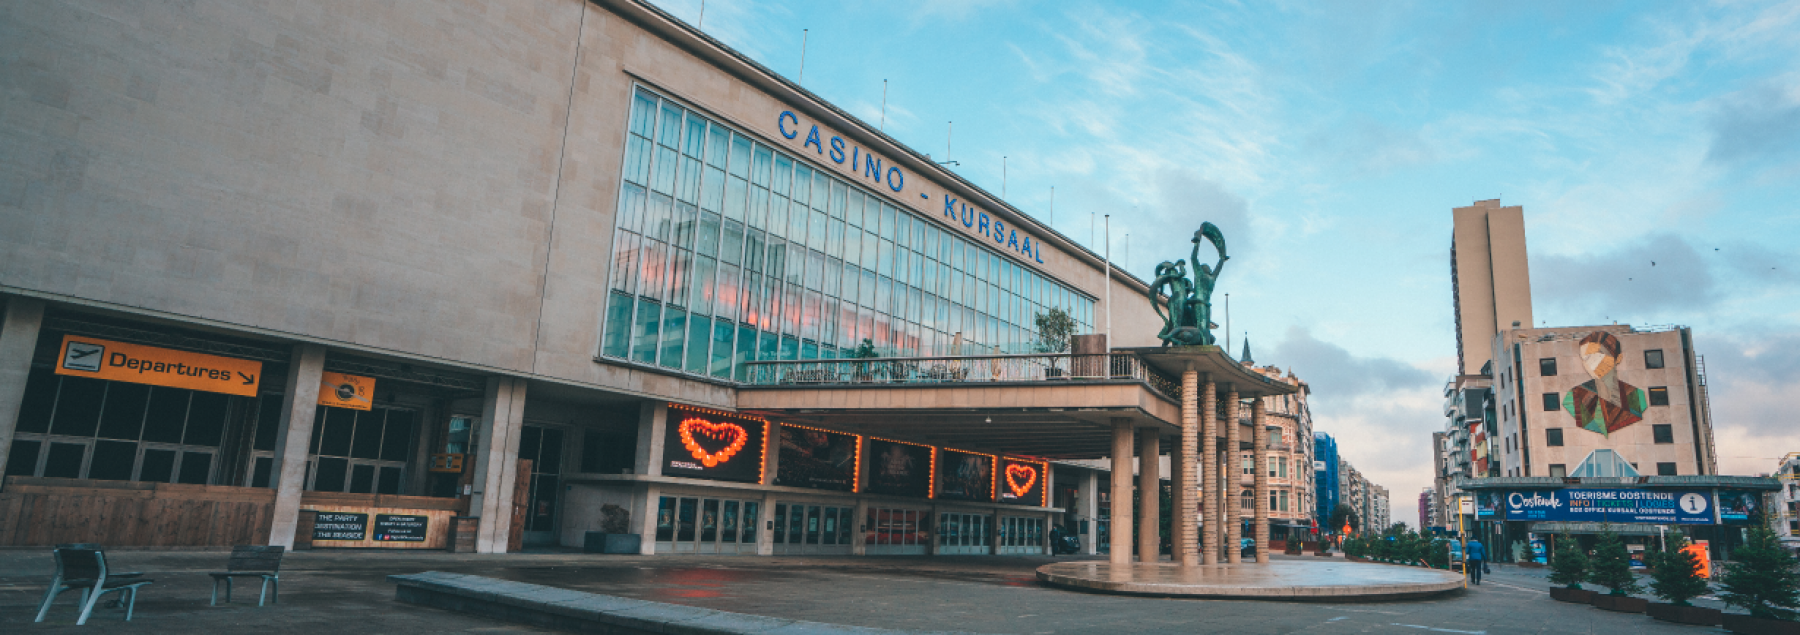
x,y
1187,309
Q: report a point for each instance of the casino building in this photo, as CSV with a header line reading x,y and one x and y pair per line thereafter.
x,y
422,275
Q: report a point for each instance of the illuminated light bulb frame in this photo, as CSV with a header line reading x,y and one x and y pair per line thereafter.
x,y
993,472
856,480
1043,478
762,468
931,489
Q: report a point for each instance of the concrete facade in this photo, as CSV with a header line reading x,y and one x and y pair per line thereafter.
x,y
1674,431
1489,277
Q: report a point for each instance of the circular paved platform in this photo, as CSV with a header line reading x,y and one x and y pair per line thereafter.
x,y
1330,580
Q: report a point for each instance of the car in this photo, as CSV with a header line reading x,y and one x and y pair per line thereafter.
x,y
1247,547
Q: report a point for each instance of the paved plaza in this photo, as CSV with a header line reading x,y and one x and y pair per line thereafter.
x,y
347,591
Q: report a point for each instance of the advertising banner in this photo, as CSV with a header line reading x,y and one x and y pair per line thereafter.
x,y
340,390
1611,505
1022,481
898,469
1487,505
817,459
965,476
340,526
139,364
401,528
713,445
1737,507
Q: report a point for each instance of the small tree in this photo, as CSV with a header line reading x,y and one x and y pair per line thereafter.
x,y
1569,566
1675,574
1761,577
1342,515
1054,328
1611,567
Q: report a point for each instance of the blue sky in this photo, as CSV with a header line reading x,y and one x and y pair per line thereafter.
x,y
1330,141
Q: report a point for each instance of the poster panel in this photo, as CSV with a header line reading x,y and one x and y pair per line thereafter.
x,y
713,445
898,469
1739,507
1487,505
965,476
1021,481
817,459
1685,507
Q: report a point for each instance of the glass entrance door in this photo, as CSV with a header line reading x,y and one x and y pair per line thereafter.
x,y
964,534
706,525
813,529
896,532
543,446
1021,535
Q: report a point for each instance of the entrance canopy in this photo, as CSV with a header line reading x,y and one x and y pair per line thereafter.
x,y
1211,361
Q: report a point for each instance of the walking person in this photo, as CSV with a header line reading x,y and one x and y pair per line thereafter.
x,y
1476,561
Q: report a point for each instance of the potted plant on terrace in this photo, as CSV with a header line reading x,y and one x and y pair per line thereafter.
x,y
864,372
1612,569
1675,576
1569,567
1054,328
1761,579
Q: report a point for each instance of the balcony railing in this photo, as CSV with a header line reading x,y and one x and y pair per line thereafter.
x,y
969,369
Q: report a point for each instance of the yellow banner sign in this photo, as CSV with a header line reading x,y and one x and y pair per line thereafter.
x,y
139,364
346,391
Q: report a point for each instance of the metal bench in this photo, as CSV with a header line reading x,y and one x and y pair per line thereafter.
x,y
85,569
251,561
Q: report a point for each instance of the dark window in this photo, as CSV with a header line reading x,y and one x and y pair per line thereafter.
x,y
1552,402
1665,469
1659,396
22,460
158,466
268,422
1547,367
1553,437
206,420
124,415
1653,358
65,460
1665,433
1558,470
40,401
113,460
396,441
78,407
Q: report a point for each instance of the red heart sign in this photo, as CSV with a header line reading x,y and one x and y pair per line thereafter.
x,y
1020,478
730,434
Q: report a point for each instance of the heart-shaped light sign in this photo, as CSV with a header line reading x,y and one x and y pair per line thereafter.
x,y
730,436
1020,478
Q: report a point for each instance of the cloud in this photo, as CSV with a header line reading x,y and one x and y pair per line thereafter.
x,y
1365,147
1758,124
1751,383
1184,200
1618,281
1336,374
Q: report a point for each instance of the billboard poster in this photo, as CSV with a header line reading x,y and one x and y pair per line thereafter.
x,y
713,445
1738,507
1487,505
1685,507
898,469
1022,481
817,459
965,476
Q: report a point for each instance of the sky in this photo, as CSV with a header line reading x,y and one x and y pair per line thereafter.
x,y
1330,140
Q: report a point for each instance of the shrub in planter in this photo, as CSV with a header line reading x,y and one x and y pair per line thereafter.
x,y
1568,566
1748,625
1675,574
1578,596
1761,579
1611,567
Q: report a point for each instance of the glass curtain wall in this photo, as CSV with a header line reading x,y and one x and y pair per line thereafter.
x,y
727,251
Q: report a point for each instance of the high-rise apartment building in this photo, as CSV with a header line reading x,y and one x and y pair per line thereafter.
x,y
1490,281
1325,478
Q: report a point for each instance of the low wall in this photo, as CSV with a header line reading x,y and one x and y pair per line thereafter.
x,y
49,511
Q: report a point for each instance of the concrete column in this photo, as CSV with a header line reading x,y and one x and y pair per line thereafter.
x,y
18,341
644,506
1262,482
299,406
497,464
1088,512
1233,509
1209,454
653,418
859,546
765,521
1120,537
771,452
1187,547
1149,496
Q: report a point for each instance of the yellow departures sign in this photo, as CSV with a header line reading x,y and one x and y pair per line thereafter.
x,y
139,364
340,390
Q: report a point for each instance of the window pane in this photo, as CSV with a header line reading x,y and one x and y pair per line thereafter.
x,y
78,407
268,422
330,475
699,334
674,332
158,467
362,479
39,403
389,482
259,475
123,417
206,419
113,460
167,412
335,439
645,330
22,459
196,468
366,443
720,362
614,342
